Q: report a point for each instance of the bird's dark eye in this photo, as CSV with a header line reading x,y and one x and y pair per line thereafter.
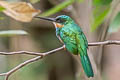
x,y
60,20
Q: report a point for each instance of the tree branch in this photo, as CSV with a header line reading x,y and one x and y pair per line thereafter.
x,y
108,42
7,74
31,53
41,55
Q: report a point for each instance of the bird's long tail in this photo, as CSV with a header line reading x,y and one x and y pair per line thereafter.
x,y
86,64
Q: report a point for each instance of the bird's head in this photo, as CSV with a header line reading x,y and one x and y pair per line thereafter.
x,y
59,21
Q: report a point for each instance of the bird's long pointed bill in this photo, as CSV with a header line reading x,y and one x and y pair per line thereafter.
x,y
48,19
53,20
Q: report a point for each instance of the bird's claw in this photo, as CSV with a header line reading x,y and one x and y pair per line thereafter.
x,y
64,47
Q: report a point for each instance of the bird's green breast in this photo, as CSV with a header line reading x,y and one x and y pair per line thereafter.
x,y
68,36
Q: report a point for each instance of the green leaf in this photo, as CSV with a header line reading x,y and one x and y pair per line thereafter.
x,y
57,8
99,16
101,2
9,33
115,24
1,8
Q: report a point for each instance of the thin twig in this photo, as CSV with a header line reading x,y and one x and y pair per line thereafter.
x,y
7,74
108,42
31,53
41,55
20,52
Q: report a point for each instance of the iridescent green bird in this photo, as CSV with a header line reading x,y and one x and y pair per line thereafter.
x,y
74,39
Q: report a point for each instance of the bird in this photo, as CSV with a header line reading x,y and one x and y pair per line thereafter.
x,y
70,33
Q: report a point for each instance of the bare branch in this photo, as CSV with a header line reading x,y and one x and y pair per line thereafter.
x,y
7,74
108,42
20,52
31,53
41,55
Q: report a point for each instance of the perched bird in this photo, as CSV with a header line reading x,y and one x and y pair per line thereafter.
x,y
73,38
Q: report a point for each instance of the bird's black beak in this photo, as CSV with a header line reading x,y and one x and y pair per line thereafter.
x,y
48,19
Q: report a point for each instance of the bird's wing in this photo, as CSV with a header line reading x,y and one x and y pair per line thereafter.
x,y
82,36
85,40
82,50
82,42
68,37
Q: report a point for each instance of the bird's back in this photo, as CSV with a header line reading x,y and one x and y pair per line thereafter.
x,y
76,43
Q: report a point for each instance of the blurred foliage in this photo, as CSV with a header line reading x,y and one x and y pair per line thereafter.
x,y
80,0
1,8
1,18
36,71
99,16
10,33
100,11
115,24
57,8
34,1
101,2
16,11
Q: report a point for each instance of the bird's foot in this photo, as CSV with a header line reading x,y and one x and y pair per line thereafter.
x,y
64,47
